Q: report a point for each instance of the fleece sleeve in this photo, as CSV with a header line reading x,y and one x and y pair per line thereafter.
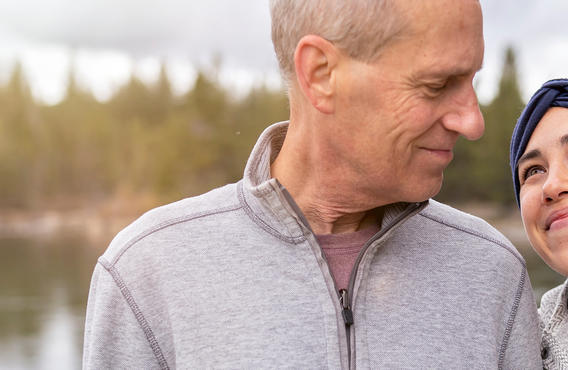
x,y
114,338
521,343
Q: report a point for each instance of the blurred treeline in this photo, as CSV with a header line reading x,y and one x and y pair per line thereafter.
x,y
146,141
480,170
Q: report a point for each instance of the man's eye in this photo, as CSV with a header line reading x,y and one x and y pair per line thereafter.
x,y
436,88
532,170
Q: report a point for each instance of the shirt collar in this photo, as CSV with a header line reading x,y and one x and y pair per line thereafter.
x,y
270,205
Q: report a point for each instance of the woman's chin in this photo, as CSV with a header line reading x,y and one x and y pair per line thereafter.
x,y
558,260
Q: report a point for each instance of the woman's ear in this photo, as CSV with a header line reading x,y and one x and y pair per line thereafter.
x,y
315,61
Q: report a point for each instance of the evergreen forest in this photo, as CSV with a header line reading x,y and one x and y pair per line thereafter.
x,y
146,142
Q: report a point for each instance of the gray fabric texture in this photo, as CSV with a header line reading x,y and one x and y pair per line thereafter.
x,y
554,323
235,279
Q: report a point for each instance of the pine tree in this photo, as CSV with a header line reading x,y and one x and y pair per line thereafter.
x,y
480,170
492,169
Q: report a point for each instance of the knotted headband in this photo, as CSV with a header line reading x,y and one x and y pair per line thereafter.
x,y
553,93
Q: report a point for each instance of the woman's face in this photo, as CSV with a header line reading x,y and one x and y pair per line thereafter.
x,y
543,174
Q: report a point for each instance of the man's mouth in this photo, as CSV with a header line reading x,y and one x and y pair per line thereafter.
x,y
442,153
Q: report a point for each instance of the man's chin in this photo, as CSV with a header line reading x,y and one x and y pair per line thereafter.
x,y
425,192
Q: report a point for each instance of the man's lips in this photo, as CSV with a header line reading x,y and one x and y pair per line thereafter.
x,y
441,152
555,216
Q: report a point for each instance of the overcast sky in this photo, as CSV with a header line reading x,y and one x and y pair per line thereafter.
x,y
109,39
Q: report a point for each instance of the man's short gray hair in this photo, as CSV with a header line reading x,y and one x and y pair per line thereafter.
x,y
360,28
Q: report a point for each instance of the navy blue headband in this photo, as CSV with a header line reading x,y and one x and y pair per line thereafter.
x,y
553,93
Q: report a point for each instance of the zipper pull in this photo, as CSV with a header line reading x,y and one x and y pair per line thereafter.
x,y
346,311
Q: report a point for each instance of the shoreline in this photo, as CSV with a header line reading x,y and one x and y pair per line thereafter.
x,y
100,224
95,226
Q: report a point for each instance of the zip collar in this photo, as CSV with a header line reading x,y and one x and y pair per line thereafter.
x,y
269,204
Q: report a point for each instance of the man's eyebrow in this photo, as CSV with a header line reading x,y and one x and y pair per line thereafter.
x,y
455,71
564,140
532,154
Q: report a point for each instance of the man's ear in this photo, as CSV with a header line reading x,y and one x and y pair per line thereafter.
x,y
315,60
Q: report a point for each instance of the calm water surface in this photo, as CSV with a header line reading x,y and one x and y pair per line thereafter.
x,y
43,293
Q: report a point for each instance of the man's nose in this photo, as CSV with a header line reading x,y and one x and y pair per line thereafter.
x,y
464,117
556,185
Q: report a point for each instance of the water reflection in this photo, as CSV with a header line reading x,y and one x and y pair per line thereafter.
x,y
43,293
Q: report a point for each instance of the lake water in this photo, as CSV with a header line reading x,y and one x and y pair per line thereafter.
x,y
43,293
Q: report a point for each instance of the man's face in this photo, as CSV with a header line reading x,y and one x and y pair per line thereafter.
x,y
401,115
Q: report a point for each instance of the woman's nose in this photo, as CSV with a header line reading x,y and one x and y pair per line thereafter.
x,y
556,185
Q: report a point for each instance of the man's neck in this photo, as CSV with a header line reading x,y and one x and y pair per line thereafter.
x,y
328,200
334,224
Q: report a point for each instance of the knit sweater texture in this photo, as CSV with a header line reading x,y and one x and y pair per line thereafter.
x,y
554,324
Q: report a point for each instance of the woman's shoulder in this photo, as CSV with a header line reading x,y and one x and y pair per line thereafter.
x,y
554,323
549,302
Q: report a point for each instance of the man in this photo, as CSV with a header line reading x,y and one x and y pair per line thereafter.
x,y
328,253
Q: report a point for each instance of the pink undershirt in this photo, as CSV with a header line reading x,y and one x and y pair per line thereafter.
x,y
341,251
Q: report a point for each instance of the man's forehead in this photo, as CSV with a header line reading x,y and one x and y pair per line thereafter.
x,y
422,16
443,38
418,8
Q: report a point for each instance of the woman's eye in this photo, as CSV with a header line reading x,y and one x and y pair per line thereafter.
x,y
532,170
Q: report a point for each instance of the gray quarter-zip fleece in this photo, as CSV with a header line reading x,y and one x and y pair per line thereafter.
x,y
236,279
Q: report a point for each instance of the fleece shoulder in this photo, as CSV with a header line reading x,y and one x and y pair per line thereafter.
x,y
220,200
464,222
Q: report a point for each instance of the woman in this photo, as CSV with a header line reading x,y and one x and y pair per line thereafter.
x,y
539,163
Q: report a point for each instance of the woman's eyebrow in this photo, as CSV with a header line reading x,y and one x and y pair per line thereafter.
x,y
535,153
